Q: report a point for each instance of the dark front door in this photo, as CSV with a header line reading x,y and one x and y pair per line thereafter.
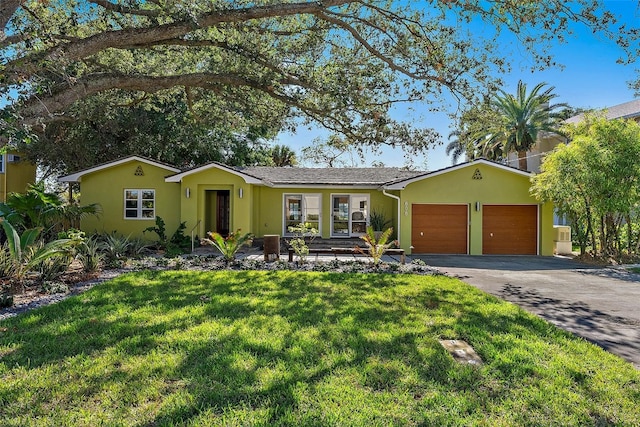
x,y
222,212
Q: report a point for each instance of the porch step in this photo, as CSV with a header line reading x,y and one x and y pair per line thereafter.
x,y
318,242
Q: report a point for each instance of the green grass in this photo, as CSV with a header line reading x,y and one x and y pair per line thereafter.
x,y
309,349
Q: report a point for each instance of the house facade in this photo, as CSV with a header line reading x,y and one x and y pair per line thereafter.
x,y
474,208
15,174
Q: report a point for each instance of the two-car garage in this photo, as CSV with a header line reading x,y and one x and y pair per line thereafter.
x,y
476,208
444,229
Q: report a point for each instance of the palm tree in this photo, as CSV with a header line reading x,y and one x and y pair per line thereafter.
x,y
283,156
456,147
469,138
523,117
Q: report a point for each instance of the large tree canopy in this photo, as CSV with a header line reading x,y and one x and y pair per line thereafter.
x,y
342,64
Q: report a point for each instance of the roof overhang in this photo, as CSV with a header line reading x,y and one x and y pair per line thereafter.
x,y
247,178
76,177
401,185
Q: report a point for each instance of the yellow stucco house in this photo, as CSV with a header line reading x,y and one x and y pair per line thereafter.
x,y
15,174
480,207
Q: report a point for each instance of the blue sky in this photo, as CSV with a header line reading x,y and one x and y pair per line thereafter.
x,y
591,78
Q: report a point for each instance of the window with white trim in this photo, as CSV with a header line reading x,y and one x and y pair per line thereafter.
x,y
2,156
302,208
139,204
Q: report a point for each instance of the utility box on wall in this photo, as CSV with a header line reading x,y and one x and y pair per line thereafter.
x,y
562,240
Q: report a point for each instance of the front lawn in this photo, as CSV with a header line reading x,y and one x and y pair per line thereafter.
x,y
300,349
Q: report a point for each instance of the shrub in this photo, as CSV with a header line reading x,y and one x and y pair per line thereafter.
x,y
378,220
27,254
228,246
299,244
115,248
90,256
177,244
376,246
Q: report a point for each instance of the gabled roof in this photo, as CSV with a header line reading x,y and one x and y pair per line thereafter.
x,y
628,110
402,183
77,176
249,179
322,177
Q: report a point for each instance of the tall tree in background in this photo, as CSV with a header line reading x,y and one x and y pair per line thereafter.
x,y
470,134
160,128
339,63
522,117
281,155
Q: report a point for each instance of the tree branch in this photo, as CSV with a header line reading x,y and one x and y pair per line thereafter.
x,y
47,108
375,52
7,9
74,51
113,7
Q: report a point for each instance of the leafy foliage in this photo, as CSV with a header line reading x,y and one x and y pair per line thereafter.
x,y
507,123
37,208
230,245
378,220
281,155
343,64
160,129
377,245
27,254
178,243
304,233
595,181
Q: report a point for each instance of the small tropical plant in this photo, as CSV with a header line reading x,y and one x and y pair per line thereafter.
x,y
39,208
230,245
27,254
377,246
299,243
115,248
177,244
90,256
378,220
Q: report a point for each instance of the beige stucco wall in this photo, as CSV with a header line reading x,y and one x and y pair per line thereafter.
x,y
107,186
497,186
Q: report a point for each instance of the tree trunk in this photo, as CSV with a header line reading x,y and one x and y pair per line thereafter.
x,y
522,160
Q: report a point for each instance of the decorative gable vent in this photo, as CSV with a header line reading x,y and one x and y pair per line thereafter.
x,y
477,174
139,171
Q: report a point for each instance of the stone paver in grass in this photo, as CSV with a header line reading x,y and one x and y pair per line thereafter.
x,y
461,352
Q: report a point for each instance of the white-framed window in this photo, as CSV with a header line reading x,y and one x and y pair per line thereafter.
x,y
349,214
306,208
139,204
2,159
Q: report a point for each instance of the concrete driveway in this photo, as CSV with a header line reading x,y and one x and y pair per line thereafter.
x,y
601,305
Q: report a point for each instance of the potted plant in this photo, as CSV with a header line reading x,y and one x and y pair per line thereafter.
x,y
379,222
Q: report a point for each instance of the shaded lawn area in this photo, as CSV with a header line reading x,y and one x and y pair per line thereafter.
x,y
292,348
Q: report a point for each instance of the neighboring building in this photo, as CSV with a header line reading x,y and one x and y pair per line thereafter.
x,y
15,174
475,208
547,142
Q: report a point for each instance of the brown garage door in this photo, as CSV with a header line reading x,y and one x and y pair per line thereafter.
x,y
439,229
510,229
